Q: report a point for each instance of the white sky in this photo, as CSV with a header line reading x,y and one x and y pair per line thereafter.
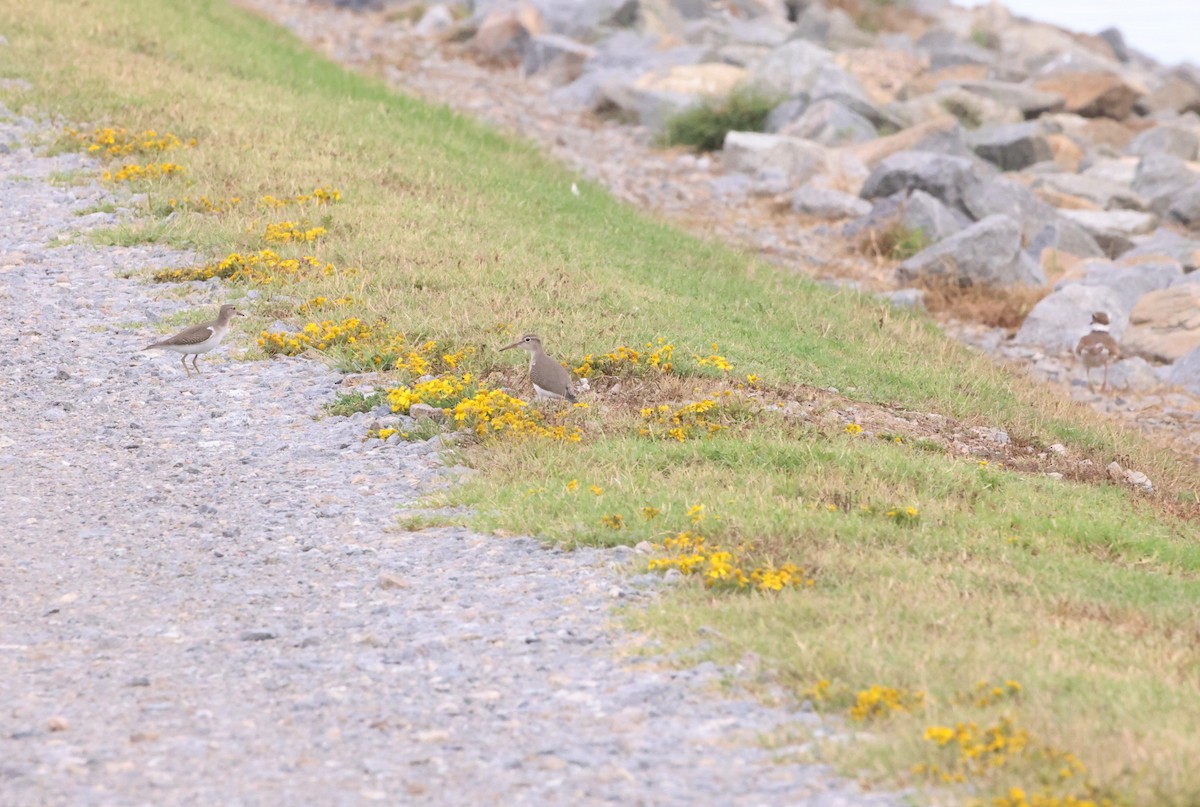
x,y
1167,30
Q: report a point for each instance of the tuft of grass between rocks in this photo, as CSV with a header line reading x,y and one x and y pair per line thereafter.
x,y
704,126
931,570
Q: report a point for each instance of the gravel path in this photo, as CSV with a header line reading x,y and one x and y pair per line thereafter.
x,y
204,598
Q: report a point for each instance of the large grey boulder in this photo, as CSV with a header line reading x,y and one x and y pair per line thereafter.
x,y
581,18
1103,193
1175,141
787,112
1186,208
1060,319
755,152
1113,229
831,26
970,109
831,124
1002,196
826,203
1065,236
945,178
988,252
1167,244
792,69
1186,372
556,57
1031,102
1129,281
1012,147
1160,178
924,213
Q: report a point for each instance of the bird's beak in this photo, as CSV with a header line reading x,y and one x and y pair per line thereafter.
x,y
510,347
239,313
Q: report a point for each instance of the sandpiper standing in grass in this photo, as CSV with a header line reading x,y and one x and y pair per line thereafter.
x,y
1098,348
199,338
550,379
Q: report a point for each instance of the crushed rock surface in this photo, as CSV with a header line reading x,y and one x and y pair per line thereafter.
x,y
205,600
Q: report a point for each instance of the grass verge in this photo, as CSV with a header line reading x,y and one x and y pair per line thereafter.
x,y
930,571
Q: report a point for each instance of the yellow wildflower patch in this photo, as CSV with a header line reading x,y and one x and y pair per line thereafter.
x,y
722,567
320,196
319,335
116,141
286,232
134,172
262,267
203,204
696,419
626,361
881,701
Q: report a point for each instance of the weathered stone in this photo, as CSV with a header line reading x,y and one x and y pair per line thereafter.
x,y
1012,147
969,109
1131,281
1103,194
1092,95
791,69
1186,372
1186,208
828,204
580,18
753,152
1167,244
1005,197
876,151
1173,140
831,26
558,57
1113,229
1165,324
1032,102
693,79
945,178
1066,236
988,252
437,22
1121,170
1061,318
1160,179
421,411
1067,153
1175,94
504,33
924,213
831,124
790,110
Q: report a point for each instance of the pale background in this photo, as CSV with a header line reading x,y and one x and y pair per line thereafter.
x,y
1168,30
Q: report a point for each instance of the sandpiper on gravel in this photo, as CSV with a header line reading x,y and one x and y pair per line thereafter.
x,y
199,338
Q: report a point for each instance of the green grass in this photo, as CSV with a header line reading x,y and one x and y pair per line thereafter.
x,y
1084,592
704,126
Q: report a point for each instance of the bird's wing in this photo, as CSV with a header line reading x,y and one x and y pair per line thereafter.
x,y
189,336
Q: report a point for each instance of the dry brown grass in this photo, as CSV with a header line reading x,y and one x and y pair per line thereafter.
x,y
994,306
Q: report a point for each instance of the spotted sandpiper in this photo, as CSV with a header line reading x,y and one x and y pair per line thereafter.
x,y
550,379
1098,348
199,338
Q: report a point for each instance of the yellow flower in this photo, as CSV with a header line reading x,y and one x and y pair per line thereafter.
x,y
696,513
853,429
573,485
386,433
596,490
649,513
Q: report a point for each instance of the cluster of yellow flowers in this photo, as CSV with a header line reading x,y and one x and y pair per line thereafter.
x,y
442,392
1017,797
286,232
853,429
495,412
120,142
626,361
323,303
320,196
972,752
132,172
259,267
690,553
713,360
985,694
202,204
681,423
319,335
905,517
880,701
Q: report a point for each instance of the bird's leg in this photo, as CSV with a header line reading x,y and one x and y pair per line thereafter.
x,y
1104,384
1087,371
183,361
195,358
